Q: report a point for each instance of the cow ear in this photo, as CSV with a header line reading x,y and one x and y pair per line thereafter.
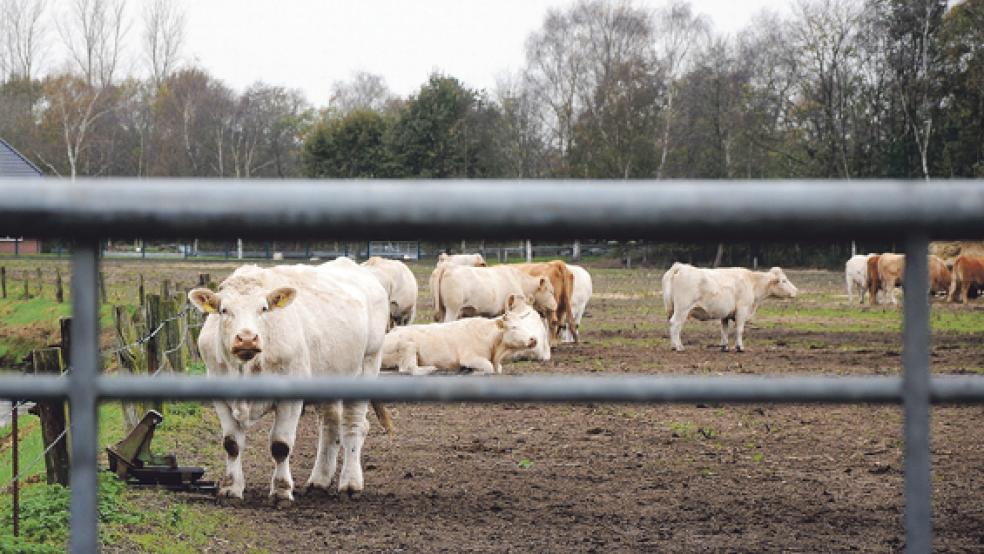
x,y
511,302
481,264
543,283
281,297
205,300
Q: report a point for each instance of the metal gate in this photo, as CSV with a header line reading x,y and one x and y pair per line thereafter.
x,y
89,210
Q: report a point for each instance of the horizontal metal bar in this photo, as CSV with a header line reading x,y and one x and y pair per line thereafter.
x,y
34,387
436,209
615,388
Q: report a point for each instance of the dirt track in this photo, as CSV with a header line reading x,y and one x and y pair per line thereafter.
x,y
632,478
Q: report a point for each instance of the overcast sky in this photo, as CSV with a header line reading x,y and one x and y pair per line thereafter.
x,y
309,44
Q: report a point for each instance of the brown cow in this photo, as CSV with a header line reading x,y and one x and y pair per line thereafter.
x,y
873,281
939,276
562,279
968,277
885,272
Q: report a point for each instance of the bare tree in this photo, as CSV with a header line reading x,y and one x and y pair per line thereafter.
x,y
93,32
163,38
76,108
365,91
679,32
21,37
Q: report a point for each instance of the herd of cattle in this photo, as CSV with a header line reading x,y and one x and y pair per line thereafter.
x,y
347,319
878,275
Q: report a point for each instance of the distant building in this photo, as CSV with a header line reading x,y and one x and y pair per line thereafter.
x,y
14,164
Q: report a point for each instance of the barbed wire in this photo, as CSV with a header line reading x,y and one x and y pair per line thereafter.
x,y
152,334
40,457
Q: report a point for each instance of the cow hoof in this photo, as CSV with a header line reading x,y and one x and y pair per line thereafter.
x,y
724,349
739,350
350,490
229,496
315,489
279,500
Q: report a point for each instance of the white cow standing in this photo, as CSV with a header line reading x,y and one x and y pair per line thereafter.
x,y
466,291
583,289
297,321
856,275
724,294
400,286
476,343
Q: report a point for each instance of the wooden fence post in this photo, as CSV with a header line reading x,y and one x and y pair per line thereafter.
x,y
130,360
52,414
140,291
165,289
102,288
59,290
3,281
65,327
153,319
173,333
40,282
27,294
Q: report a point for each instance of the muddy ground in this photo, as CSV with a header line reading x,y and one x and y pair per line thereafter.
x,y
637,478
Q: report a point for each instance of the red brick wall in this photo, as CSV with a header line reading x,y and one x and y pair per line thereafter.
x,y
26,246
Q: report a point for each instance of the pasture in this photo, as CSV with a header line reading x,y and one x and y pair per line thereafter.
x,y
506,477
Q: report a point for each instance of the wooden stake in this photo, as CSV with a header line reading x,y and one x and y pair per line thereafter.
x,y
53,420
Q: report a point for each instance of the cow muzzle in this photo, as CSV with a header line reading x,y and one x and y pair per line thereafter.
x,y
246,346
532,342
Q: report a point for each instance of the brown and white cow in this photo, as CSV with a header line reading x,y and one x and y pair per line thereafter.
x,y
723,294
443,262
562,280
482,291
297,321
476,343
583,289
968,278
400,286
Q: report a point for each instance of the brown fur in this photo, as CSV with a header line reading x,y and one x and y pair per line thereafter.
x,y
383,415
873,280
939,276
968,275
563,284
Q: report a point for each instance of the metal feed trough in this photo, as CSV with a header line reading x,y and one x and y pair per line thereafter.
x,y
685,211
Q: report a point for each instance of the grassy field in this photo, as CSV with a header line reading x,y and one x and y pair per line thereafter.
x,y
494,477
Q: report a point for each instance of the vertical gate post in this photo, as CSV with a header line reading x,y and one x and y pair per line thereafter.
x,y
52,415
82,396
915,389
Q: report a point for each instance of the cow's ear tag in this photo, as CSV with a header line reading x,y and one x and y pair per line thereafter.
x,y
281,297
205,300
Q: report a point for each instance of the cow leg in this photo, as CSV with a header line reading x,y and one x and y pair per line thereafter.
x,y
676,325
850,290
407,351
724,335
326,460
740,319
282,435
234,443
481,365
353,437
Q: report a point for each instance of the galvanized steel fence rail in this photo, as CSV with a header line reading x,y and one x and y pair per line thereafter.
x,y
89,210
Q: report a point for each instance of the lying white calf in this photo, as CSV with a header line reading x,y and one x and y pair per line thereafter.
x,y
732,293
475,342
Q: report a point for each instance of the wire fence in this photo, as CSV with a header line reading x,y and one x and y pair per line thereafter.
x,y
678,211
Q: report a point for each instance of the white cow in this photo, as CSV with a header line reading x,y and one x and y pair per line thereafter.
x,y
856,275
482,291
476,342
474,260
298,321
400,285
579,300
724,294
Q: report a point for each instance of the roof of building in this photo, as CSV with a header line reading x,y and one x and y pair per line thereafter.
x,y
15,164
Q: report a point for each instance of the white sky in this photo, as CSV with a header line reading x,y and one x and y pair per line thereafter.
x,y
309,44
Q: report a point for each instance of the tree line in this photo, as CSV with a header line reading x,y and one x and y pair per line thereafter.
x,y
609,89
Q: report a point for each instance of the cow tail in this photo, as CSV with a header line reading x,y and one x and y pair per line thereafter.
x,y
436,291
667,289
383,415
568,303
